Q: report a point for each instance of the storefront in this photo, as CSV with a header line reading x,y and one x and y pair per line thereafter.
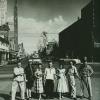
x,y
4,51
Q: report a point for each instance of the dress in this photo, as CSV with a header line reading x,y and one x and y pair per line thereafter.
x,y
62,82
38,82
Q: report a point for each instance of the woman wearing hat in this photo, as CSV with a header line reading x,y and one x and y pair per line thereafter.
x,y
38,81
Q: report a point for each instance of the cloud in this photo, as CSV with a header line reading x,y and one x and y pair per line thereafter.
x,y
30,30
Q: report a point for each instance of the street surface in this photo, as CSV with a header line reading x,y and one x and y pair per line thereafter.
x,y
6,80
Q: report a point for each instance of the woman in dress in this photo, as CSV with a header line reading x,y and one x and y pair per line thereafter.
x,y
62,86
38,81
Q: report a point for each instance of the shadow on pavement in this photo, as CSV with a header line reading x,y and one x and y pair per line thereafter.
x,y
4,96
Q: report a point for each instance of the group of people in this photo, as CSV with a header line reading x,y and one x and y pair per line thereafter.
x,y
44,81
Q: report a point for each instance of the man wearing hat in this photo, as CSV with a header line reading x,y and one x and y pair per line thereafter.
x,y
85,73
18,80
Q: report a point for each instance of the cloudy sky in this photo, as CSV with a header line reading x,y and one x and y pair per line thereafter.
x,y
36,16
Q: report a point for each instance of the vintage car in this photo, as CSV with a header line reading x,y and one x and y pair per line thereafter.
x,y
75,61
36,60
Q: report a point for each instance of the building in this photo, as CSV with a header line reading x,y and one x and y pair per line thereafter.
x,y
7,31
74,41
90,15
21,51
82,37
12,50
4,44
3,12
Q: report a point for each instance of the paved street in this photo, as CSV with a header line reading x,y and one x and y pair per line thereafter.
x,y
6,78
5,88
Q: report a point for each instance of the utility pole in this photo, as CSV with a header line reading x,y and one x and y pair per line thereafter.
x,y
16,24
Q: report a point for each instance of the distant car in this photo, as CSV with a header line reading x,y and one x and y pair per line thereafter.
x,y
36,60
76,61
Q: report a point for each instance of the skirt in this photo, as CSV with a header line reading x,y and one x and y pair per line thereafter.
x,y
38,85
62,85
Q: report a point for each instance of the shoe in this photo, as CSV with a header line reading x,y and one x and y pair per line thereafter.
x,y
90,98
81,97
40,98
59,98
62,97
51,98
74,98
47,97
27,98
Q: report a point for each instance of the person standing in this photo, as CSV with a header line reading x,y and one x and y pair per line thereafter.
x,y
19,80
72,73
38,81
62,86
49,84
29,79
85,72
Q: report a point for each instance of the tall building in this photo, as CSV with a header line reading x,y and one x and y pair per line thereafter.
x,y
82,38
21,51
16,24
91,14
3,12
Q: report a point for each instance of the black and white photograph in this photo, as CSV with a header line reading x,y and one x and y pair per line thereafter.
x,y
49,49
